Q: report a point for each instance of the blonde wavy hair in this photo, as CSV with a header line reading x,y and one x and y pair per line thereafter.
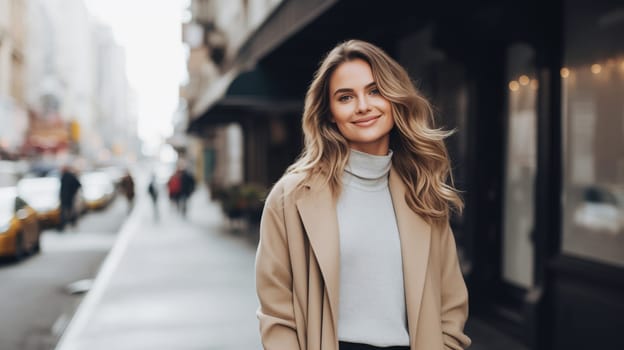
x,y
419,154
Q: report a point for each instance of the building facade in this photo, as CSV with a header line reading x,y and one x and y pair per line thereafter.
x,y
13,115
76,88
215,36
60,76
115,121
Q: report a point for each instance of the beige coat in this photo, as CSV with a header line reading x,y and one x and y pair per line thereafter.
x,y
297,272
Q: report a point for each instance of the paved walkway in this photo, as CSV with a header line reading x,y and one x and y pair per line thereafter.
x,y
175,283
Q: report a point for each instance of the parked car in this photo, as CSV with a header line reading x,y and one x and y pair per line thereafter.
x,y
602,209
11,171
19,228
42,193
98,189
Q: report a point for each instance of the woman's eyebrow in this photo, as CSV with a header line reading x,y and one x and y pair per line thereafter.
x,y
369,85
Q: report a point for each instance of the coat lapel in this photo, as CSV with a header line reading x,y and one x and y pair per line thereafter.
x,y
415,235
317,208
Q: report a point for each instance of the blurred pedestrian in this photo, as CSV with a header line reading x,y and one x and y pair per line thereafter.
x,y
355,250
152,189
67,194
187,188
174,186
127,189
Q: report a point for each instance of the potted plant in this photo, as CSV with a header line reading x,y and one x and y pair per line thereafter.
x,y
242,201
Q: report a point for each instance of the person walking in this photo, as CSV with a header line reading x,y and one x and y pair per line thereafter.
x,y
127,188
152,189
186,190
67,194
174,186
356,250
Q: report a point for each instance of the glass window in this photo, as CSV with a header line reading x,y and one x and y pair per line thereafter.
x,y
593,131
521,166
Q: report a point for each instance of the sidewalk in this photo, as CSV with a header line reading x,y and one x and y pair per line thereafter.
x,y
173,284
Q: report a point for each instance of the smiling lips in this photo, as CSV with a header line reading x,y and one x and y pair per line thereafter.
x,y
366,121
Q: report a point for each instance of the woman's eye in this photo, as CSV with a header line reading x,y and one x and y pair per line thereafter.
x,y
374,92
344,98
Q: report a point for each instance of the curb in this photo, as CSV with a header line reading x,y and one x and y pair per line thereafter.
x,y
82,315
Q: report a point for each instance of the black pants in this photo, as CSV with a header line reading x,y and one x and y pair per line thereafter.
x,y
68,215
355,346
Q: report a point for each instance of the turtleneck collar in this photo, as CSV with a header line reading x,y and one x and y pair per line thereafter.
x,y
366,171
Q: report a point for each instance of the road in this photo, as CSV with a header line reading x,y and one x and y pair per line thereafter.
x,y
35,305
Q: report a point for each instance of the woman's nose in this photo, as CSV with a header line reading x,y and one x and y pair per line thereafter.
x,y
363,106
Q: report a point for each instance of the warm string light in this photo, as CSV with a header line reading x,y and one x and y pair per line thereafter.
x,y
565,72
596,68
523,80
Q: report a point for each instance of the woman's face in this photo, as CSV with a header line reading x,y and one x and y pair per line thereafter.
x,y
362,115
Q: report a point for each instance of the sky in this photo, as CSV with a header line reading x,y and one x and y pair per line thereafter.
x,y
150,32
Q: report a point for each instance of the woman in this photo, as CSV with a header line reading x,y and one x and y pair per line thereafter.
x,y
355,247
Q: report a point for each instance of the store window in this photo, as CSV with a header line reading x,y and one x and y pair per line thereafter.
x,y
593,131
520,167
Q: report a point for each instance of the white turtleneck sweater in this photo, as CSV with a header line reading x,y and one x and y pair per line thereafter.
x,y
372,297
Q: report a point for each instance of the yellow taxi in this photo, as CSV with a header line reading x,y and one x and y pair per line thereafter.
x,y
42,194
19,227
98,189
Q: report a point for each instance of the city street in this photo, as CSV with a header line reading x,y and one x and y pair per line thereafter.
x,y
449,168
36,306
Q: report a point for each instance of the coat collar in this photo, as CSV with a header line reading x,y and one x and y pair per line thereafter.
x,y
317,208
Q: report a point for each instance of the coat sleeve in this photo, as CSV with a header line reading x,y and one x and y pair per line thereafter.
x,y
454,296
274,280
